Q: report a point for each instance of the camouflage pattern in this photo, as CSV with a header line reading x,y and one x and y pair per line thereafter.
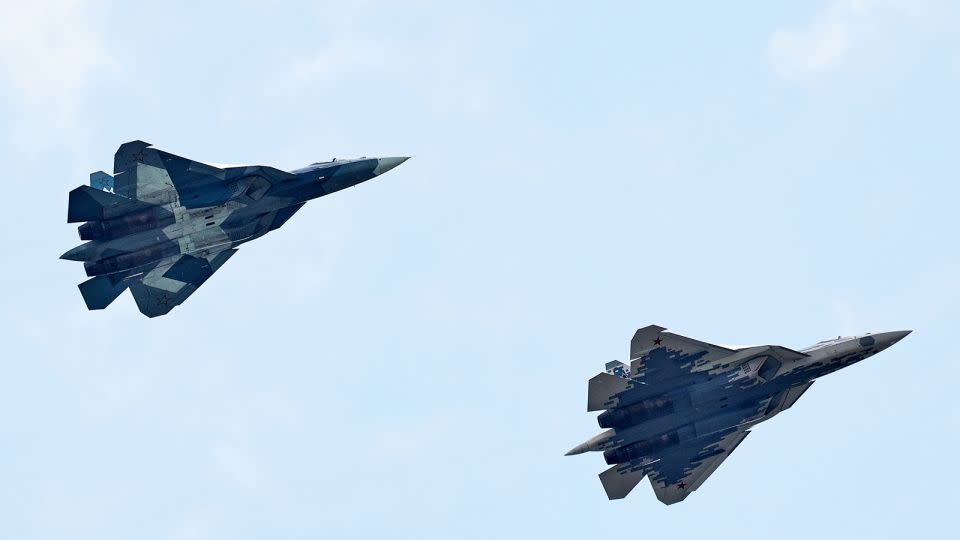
x,y
682,406
163,224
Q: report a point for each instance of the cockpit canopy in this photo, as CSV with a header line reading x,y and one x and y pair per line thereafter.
x,y
826,343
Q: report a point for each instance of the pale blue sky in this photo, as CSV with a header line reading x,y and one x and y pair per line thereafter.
x,y
410,357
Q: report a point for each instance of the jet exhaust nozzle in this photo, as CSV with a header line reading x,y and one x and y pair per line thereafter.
x,y
640,449
636,413
128,261
153,218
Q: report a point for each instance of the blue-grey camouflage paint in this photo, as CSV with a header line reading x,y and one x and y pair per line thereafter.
x,y
163,224
683,405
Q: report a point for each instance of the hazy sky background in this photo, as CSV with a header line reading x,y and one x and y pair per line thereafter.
x,y
410,357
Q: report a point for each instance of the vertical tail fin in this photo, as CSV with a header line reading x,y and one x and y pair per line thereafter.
x,y
101,180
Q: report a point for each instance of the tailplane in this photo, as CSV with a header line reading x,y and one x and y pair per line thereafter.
x,y
90,204
618,481
100,291
603,391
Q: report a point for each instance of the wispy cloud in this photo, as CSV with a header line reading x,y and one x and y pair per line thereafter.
x,y
51,53
440,66
197,524
239,467
844,33
845,319
401,443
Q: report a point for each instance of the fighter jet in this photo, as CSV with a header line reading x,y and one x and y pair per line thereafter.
x,y
163,224
682,406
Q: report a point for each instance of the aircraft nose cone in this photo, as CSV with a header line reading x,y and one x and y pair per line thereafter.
x,y
887,339
900,334
384,164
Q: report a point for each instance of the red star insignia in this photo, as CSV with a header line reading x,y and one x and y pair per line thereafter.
x,y
657,341
681,485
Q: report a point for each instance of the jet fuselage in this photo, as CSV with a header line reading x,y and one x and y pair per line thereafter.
x,y
162,224
681,406
130,241
732,395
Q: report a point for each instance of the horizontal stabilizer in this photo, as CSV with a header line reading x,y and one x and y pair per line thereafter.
x,y
619,484
100,291
90,204
603,389
83,252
